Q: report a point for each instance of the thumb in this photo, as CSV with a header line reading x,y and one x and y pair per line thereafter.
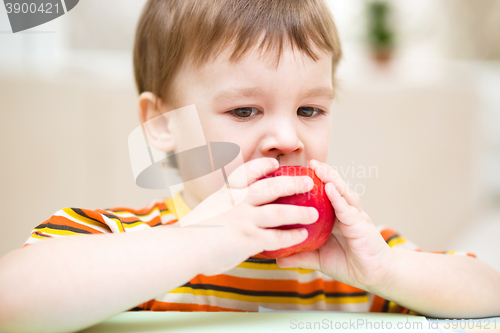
x,y
306,260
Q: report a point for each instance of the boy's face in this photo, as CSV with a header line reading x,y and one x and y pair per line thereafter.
x,y
267,111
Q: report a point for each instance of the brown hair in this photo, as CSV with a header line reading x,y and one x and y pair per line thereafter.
x,y
172,31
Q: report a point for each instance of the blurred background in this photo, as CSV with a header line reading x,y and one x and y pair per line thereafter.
x,y
416,125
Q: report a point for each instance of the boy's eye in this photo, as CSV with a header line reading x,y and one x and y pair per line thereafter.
x,y
245,112
308,111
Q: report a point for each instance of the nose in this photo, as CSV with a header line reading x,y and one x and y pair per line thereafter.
x,y
282,137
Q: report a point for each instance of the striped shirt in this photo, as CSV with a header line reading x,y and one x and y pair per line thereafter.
x,y
255,282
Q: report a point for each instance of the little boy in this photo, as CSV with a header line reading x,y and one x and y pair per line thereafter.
x,y
261,75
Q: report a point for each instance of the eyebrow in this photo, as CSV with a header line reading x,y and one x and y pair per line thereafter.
x,y
326,92
231,94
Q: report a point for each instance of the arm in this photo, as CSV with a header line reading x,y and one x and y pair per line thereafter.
x,y
440,285
70,283
434,285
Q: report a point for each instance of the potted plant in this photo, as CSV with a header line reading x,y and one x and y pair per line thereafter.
x,y
380,34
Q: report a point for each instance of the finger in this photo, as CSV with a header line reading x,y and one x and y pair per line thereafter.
x,y
345,213
249,172
327,174
269,189
274,215
275,239
306,260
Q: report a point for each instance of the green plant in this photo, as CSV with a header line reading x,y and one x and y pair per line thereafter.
x,y
380,34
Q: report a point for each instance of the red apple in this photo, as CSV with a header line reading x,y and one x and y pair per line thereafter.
x,y
319,231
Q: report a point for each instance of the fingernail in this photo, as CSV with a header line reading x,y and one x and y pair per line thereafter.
x,y
313,213
308,181
276,164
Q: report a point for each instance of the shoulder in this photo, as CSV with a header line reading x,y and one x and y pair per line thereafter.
x,y
156,213
80,221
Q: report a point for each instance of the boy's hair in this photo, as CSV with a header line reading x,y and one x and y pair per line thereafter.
x,y
170,32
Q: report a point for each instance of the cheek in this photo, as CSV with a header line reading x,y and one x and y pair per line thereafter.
x,y
318,149
216,128
248,142
318,142
247,147
227,132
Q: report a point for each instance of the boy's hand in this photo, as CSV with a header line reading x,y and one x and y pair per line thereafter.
x,y
244,227
355,253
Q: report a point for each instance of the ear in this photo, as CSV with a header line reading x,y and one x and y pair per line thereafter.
x,y
156,121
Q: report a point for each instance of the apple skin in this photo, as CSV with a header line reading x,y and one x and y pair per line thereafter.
x,y
319,231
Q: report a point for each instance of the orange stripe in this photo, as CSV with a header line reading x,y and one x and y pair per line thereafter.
x,y
63,221
224,280
388,233
260,256
337,286
172,221
377,304
154,221
94,215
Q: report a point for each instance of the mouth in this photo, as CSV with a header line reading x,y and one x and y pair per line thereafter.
x,y
288,164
